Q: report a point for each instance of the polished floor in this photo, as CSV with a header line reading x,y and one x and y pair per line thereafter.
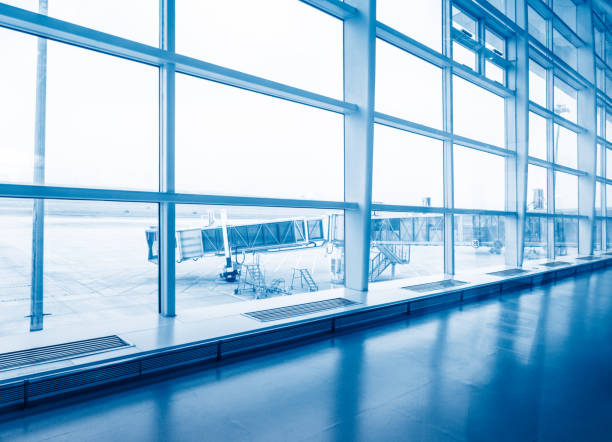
x,y
534,365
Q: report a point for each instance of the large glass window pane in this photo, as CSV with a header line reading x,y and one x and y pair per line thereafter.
x,y
600,79
119,274
536,25
272,252
407,168
407,87
499,4
608,124
537,136
566,193
609,234
479,179
138,19
536,189
600,116
608,49
599,42
565,50
405,245
566,147
565,98
233,142
537,83
494,72
597,232
566,9
465,56
566,236
464,23
598,195
419,20
495,43
102,136
599,163
15,264
101,120
480,242
96,273
536,237
477,113
609,200
609,164
286,41
17,106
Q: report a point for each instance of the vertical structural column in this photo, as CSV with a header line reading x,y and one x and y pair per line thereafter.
x,y
517,139
359,57
38,221
587,140
604,197
167,212
550,155
447,154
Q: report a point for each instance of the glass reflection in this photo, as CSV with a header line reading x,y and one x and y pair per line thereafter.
x,y
566,236
536,237
480,241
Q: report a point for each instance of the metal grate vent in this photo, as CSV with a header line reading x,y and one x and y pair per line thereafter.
x,y
282,336
82,379
587,258
184,357
508,272
438,285
40,355
274,314
556,264
11,394
371,316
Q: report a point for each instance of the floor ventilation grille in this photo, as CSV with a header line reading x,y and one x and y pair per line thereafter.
x,y
438,285
40,355
556,264
274,314
508,272
587,258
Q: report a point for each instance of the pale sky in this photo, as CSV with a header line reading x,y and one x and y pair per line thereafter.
x,y
102,116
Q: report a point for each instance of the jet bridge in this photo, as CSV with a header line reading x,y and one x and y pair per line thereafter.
x,y
243,236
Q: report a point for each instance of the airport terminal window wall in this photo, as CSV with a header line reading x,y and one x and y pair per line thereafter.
x,y
554,137
257,130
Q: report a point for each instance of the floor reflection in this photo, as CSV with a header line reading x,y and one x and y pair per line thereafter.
x,y
529,365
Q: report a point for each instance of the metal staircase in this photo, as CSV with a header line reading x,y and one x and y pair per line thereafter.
x,y
305,280
388,249
388,255
277,287
251,279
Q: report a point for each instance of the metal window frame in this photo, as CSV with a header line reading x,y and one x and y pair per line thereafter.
x,y
357,106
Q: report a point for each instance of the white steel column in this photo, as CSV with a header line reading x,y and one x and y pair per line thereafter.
x,y
604,206
517,138
587,140
359,53
447,155
38,213
550,156
166,254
